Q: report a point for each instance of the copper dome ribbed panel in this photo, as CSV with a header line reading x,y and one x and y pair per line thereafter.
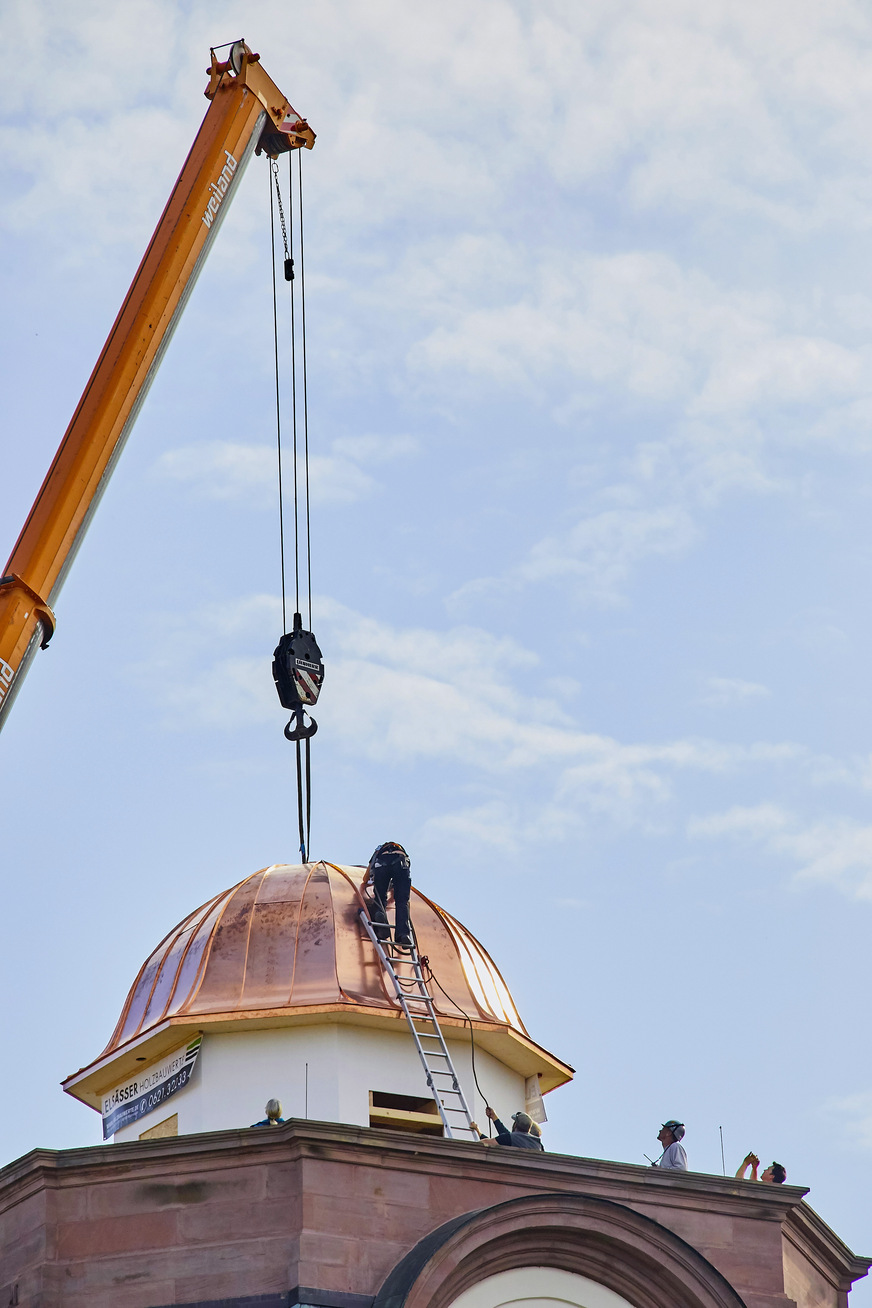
x,y
289,937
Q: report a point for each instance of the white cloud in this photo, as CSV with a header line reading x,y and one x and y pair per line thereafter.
x,y
599,552
640,322
461,697
854,1115
223,470
336,481
230,470
709,110
495,826
375,449
726,691
836,851
595,557
760,821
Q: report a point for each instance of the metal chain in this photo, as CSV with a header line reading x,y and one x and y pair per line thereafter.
x,y
275,172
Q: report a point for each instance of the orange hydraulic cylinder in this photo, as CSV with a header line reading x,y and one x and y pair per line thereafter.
x,y
95,437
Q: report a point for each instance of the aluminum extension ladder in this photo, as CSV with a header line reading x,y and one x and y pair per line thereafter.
x,y
404,969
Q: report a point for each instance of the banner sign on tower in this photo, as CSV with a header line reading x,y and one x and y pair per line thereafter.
x,y
533,1105
148,1089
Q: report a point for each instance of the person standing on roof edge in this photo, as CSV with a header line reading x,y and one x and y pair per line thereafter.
x,y
389,869
673,1158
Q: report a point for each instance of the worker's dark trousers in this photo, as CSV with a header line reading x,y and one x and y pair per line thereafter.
x,y
402,883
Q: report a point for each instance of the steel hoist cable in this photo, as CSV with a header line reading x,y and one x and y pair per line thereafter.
x,y
305,381
298,670
272,229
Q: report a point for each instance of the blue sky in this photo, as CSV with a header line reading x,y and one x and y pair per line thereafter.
x,y
589,315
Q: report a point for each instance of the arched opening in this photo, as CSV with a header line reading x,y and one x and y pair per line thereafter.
x,y
547,1250
539,1287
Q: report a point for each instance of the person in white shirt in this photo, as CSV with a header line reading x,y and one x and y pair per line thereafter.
x,y
673,1158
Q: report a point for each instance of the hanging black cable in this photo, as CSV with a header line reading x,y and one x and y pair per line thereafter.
x,y
308,796
305,382
431,976
298,670
272,228
288,241
293,299
300,822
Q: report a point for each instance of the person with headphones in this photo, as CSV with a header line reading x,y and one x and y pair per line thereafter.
x,y
673,1158
774,1174
523,1135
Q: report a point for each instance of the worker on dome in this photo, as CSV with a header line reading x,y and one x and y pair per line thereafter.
x,y
673,1158
390,871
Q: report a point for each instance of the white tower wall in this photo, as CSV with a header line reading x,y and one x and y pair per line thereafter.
x,y
237,1072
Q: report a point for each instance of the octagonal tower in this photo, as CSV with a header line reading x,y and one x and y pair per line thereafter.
x,y
273,990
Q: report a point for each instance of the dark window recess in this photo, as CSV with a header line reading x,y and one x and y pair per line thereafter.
x,y
392,1112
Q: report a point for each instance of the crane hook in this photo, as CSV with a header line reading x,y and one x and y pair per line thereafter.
x,y
300,731
298,672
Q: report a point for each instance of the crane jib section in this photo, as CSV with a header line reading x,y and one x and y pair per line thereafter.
x,y
247,113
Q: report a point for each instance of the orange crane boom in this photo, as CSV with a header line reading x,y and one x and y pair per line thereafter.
x,y
247,113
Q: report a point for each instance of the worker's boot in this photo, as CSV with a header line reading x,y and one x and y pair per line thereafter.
x,y
379,919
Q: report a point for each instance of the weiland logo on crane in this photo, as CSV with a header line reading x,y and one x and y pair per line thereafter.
x,y
219,189
6,675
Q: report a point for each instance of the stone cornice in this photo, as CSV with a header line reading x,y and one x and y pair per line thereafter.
x,y
299,1139
809,1233
169,1177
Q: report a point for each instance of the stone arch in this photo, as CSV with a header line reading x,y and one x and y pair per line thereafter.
x,y
612,1245
528,1287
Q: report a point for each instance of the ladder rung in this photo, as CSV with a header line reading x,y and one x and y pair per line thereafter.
x,y
419,1009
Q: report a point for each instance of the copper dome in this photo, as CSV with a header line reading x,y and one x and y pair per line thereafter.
x,y
286,945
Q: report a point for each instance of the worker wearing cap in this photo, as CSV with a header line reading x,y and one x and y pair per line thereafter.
x,y
520,1136
673,1158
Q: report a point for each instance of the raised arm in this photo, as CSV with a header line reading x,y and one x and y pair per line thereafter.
x,y
752,1161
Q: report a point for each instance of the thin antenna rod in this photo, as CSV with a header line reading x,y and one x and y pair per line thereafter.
x,y
723,1160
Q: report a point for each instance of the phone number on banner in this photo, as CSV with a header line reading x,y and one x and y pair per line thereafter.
x,y
131,1112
